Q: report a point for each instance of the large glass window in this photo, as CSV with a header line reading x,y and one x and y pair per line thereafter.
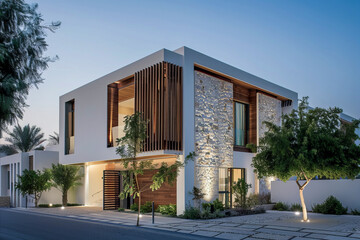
x,y
241,125
126,107
69,126
228,178
121,102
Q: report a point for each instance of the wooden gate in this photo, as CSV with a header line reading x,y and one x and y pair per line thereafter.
x,y
111,180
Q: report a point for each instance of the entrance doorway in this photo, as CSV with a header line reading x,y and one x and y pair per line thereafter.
x,y
228,178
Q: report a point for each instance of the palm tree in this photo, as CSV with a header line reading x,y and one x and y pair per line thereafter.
x,y
54,139
23,139
65,177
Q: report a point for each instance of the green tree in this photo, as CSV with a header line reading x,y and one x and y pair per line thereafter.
x,y
65,177
34,183
309,143
23,139
128,148
22,60
240,190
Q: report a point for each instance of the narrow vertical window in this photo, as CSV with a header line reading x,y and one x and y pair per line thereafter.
x,y
31,162
241,124
69,126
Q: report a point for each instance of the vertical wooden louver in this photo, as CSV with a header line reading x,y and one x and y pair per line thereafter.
x,y
112,111
158,95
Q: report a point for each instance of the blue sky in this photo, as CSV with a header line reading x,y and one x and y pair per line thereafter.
x,y
311,47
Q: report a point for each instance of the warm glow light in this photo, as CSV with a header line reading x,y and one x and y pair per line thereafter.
x,y
297,213
140,215
308,220
62,208
50,204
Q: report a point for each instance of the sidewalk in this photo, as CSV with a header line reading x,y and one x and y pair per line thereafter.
x,y
270,225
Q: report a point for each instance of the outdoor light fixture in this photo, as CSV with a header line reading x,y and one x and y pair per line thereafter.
x,y
297,213
50,204
62,208
140,215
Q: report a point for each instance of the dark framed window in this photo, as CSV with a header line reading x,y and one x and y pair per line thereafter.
x,y
228,177
241,124
8,175
69,126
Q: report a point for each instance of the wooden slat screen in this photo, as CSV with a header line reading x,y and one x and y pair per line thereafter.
x,y
113,108
158,95
111,191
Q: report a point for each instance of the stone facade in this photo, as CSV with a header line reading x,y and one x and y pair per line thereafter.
x,y
269,109
213,131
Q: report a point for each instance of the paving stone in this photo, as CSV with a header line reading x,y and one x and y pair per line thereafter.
x,y
251,238
231,230
229,224
231,236
206,233
303,238
328,237
250,226
284,228
355,235
271,236
281,232
344,234
185,231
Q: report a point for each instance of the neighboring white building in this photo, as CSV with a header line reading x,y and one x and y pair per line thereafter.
x,y
12,166
194,103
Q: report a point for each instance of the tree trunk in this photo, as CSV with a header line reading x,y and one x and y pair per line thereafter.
x,y
36,201
64,198
305,218
138,217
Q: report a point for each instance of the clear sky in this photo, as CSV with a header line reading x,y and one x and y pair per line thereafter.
x,y
311,47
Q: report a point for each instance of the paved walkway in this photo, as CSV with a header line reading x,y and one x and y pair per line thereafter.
x,y
270,225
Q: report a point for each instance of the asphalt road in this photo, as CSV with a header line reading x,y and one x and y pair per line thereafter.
x,y
29,226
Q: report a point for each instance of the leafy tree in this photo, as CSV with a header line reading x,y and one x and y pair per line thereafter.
x,y
22,60
54,139
240,190
309,143
65,177
34,183
198,195
128,148
23,139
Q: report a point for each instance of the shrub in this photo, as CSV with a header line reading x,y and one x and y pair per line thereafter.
x,y
167,209
355,212
134,207
296,207
218,205
73,204
330,206
48,206
43,205
121,209
240,190
279,206
146,208
265,198
215,205
253,200
191,213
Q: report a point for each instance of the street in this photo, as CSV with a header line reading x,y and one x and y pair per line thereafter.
x,y
25,225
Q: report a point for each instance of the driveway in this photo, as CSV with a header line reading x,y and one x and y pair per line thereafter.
x,y
270,225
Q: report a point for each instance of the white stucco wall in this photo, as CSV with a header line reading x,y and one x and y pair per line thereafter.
x,y
244,160
347,191
94,185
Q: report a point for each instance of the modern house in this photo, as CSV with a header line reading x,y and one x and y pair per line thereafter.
x,y
194,103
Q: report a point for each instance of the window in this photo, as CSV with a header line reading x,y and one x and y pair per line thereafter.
x,y
31,162
69,126
8,175
228,177
241,124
